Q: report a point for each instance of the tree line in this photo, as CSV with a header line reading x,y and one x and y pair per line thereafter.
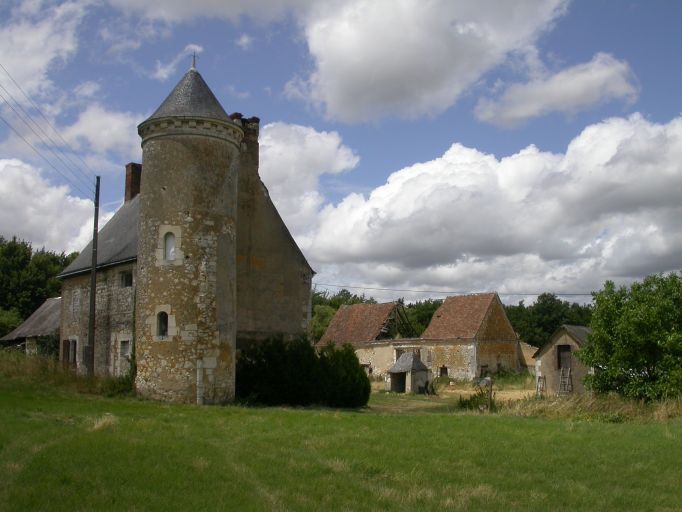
x,y
27,278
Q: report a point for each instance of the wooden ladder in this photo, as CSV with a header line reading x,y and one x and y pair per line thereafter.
x,y
565,382
540,385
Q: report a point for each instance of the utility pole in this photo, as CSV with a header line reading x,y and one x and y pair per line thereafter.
x,y
90,365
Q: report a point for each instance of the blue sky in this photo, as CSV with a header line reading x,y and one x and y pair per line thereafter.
x,y
433,145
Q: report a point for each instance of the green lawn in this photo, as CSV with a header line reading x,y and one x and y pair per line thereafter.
x,y
60,450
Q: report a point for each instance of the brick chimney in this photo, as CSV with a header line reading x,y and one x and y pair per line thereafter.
x,y
133,177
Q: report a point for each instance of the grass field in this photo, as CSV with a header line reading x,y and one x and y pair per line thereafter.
x,y
64,450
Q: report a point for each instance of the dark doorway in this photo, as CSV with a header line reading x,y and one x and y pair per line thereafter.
x,y
398,382
564,356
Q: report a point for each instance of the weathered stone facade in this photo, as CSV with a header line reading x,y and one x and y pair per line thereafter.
x,y
189,192
273,277
210,259
114,319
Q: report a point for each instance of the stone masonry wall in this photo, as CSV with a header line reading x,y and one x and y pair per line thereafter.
x,y
189,189
273,278
113,317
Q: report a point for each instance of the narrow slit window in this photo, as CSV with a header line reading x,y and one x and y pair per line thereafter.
x,y
162,324
169,247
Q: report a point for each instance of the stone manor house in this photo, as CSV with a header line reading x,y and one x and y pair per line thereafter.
x,y
195,264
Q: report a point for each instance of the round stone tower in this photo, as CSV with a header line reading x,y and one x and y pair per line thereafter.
x,y
185,314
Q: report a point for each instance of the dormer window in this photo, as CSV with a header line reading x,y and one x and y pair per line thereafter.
x,y
169,247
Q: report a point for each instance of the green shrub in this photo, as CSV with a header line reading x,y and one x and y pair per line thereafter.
x,y
278,372
481,400
275,372
344,381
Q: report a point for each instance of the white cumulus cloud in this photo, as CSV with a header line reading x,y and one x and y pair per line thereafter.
x,y
100,130
376,58
35,38
570,90
33,209
292,159
608,208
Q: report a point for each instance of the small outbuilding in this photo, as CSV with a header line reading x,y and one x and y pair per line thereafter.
x,y
43,322
557,368
408,374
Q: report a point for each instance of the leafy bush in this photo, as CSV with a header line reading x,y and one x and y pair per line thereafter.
x,y
481,400
344,381
278,372
635,346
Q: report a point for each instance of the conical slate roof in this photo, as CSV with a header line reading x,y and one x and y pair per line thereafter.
x,y
191,98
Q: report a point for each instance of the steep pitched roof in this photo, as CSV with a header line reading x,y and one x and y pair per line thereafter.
x,y
358,323
43,322
116,243
191,97
578,332
459,317
408,362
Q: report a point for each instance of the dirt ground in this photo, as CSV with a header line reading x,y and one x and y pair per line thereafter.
x,y
465,390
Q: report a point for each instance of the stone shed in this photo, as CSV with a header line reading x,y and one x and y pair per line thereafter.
x,y
408,374
43,322
558,357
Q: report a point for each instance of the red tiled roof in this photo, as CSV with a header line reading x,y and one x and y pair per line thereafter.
x,y
357,323
459,317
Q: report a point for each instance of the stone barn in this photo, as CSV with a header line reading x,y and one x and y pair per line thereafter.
x,y
557,364
468,336
43,322
367,327
195,264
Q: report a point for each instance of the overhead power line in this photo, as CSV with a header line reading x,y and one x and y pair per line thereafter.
x,y
79,172
50,148
75,185
448,292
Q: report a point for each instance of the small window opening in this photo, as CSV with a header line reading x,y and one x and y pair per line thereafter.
x,y
484,370
162,324
125,349
443,371
169,247
126,279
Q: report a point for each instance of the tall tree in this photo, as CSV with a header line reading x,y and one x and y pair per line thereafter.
x,y
537,322
419,313
27,278
326,304
635,346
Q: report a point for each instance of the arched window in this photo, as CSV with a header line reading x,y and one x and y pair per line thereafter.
x,y
169,247
162,324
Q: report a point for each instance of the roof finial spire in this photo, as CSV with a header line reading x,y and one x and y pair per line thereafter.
x,y
194,60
